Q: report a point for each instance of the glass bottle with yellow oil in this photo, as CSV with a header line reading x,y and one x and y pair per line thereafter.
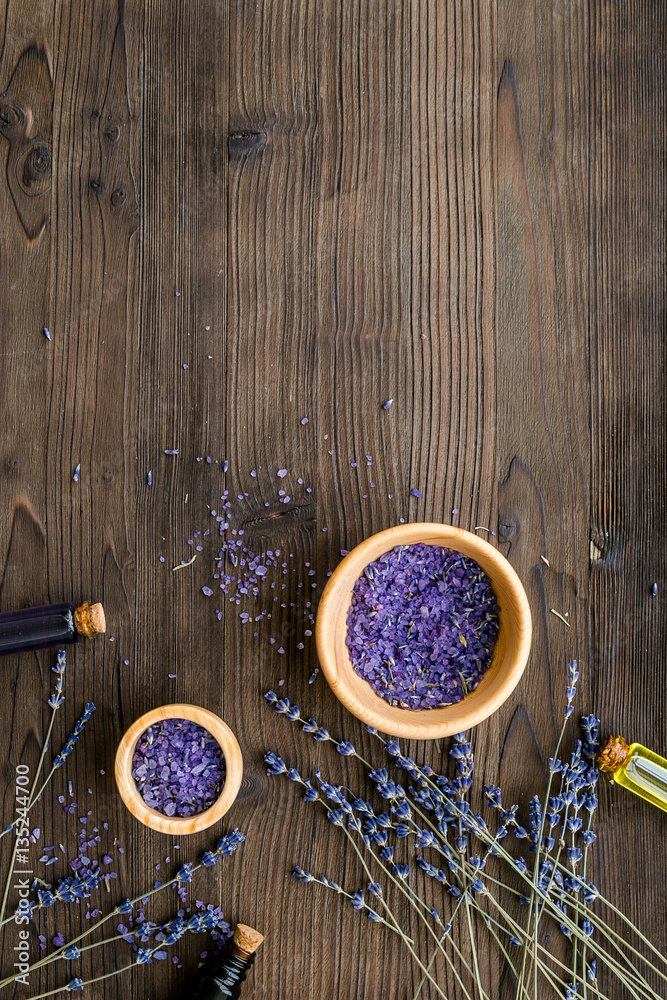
x,y
635,767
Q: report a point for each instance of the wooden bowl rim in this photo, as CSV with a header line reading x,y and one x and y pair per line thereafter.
x,y
497,684
179,826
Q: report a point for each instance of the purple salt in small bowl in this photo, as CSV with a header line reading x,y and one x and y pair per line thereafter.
x,y
508,660
132,796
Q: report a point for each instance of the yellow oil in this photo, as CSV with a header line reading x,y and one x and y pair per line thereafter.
x,y
644,773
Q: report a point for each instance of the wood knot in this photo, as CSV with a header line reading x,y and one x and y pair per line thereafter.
x,y
34,168
11,114
118,197
278,516
506,527
245,140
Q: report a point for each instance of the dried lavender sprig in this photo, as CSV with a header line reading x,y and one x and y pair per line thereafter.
x,y
55,701
573,677
226,846
591,743
357,899
196,923
173,929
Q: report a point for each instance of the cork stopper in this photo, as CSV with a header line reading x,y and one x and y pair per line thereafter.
x,y
247,939
612,754
89,619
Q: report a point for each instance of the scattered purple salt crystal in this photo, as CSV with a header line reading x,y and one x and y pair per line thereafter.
x,y
304,420
179,768
185,367
313,675
149,478
281,682
207,591
415,492
171,451
422,626
353,465
225,465
281,473
172,676
47,333
455,510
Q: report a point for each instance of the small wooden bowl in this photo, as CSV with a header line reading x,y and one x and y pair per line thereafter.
x,y
510,653
179,826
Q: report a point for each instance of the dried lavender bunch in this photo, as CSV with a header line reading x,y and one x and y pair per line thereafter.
x,y
434,813
55,701
173,931
67,891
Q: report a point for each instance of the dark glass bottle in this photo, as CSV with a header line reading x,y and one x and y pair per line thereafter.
x,y
222,979
49,625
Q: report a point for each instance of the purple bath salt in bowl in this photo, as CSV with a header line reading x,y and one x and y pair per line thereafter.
x,y
179,767
422,626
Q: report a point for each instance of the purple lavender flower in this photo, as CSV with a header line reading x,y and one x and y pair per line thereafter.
x,y
179,767
422,626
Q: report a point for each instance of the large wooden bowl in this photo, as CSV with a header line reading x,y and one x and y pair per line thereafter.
x,y
179,826
509,658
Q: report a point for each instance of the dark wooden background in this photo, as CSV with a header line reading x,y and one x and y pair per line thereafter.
x,y
318,206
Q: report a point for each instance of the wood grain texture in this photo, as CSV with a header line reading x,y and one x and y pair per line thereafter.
x,y
236,217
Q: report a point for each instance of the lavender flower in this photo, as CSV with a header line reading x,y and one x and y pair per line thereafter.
x,y
73,738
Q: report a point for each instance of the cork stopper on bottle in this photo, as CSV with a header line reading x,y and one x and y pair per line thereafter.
x,y
612,754
89,619
247,939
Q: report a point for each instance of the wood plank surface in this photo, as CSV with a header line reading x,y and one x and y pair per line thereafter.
x,y
246,226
